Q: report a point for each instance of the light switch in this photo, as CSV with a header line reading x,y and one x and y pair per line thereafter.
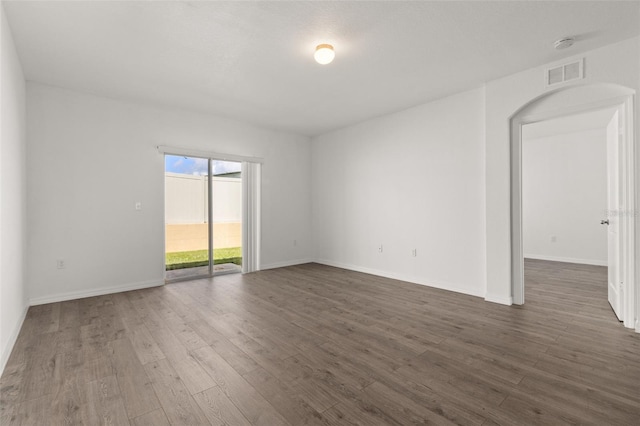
x,y
138,205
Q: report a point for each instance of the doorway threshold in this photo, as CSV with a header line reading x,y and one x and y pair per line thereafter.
x,y
200,272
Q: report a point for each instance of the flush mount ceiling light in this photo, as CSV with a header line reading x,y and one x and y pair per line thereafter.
x,y
324,54
563,43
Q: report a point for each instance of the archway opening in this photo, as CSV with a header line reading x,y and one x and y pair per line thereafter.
x,y
563,103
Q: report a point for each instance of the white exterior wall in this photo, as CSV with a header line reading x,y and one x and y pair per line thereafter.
x,y
227,200
186,199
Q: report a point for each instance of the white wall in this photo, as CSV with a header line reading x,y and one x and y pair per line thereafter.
x,y
414,179
91,223
13,298
357,206
564,195
617,63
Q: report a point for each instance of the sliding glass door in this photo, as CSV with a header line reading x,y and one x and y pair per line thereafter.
x,y
226,216
187,236
203,217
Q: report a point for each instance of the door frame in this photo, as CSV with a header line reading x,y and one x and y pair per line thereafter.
x,y
628,202
209,221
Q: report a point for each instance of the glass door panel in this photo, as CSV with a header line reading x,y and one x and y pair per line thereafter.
x,y
226,190
187,230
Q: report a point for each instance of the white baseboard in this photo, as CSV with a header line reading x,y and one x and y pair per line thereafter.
x,y
6,351
566,259
502,300
402,277
81,294
285,264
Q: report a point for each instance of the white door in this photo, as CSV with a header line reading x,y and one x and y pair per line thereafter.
x,y
613,223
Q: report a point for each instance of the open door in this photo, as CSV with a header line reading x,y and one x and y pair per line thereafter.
x,y
612,221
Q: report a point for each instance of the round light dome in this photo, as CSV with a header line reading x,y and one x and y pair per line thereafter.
x,y
324,54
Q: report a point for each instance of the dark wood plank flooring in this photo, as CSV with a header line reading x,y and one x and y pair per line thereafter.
x,y
315,345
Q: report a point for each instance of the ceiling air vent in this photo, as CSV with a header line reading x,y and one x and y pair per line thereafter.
x,y
565,73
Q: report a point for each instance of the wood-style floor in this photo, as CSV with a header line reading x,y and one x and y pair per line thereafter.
x,y
318,345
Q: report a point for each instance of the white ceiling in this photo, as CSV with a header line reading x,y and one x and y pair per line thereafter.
x,y
253,61
575,123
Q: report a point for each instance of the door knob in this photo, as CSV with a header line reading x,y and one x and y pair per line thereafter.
x,y
604,222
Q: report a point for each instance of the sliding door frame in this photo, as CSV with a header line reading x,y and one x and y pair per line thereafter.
x,y
251,205
210,214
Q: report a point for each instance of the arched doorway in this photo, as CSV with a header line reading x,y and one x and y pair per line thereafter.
x,y
564,102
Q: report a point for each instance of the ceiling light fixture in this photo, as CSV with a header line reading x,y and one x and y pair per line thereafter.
x,y
324,54
563,43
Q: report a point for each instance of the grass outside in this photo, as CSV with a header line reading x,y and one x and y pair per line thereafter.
x,y
192,259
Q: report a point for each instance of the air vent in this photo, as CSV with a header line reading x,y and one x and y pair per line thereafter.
x,y
564,73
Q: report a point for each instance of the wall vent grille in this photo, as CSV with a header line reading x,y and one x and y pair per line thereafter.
x,y
564,73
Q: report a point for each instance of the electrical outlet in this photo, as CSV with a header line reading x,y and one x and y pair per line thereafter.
x,y
138,205
60,264
380,249
414,252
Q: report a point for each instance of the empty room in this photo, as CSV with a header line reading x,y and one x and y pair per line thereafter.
x,y
319,213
